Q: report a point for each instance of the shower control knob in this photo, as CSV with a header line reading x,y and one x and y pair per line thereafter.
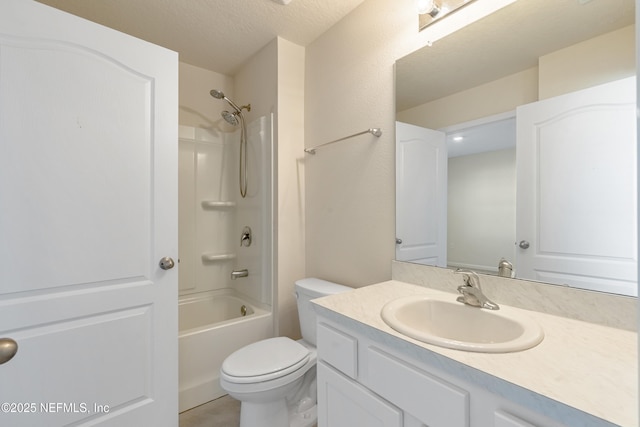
x,y
523,244
167,263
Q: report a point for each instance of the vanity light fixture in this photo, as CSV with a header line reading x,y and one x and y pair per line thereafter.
x,y
458,138
430,11
429,7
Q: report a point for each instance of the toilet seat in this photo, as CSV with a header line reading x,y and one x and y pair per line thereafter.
x,y
265,360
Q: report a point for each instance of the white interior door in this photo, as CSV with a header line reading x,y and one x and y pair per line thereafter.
x,y
576,190
88,197
421,195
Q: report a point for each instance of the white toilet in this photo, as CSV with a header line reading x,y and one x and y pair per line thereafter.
x,y
275,379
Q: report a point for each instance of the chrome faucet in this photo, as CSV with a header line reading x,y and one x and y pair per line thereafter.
x,y
239,273
505,268
472,293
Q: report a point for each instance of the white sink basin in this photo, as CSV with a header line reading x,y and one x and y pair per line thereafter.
x,y
444,322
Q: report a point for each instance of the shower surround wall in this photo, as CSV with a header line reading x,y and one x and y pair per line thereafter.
x,y
212,214
211,218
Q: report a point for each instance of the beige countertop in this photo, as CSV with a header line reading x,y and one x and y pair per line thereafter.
x,y
585,366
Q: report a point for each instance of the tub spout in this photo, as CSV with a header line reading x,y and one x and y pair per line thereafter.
x,y
239,273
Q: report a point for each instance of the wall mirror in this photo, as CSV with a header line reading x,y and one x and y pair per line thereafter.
x,y
485,83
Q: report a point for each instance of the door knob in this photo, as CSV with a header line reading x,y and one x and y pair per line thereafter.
x,y
398,241
523,244
8,349
167,263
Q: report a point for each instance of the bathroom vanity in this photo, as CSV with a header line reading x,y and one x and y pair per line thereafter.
x,y
581,374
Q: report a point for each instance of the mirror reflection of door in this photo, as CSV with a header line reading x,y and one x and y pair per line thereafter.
x,y
572,219
475,212
577,204
421,195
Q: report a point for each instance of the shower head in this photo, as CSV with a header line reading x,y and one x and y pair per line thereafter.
x,y
220,95
236,118
231,118
216,94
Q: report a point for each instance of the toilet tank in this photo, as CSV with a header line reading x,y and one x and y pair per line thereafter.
x,y
306,290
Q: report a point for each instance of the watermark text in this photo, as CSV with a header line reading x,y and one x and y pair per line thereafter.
x,y
53,408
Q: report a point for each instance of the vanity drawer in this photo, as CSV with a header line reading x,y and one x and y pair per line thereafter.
x,y
338,349
431,400
502,419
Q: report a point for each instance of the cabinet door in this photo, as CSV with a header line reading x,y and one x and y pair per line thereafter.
x,y
344,403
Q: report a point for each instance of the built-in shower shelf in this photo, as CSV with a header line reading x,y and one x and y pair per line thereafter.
x,y
214,204
209,257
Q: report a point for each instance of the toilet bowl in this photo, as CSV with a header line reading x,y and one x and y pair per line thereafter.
x,y
272,380
275,379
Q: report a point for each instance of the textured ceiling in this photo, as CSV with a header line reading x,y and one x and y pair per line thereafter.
x,y
218,35
508,41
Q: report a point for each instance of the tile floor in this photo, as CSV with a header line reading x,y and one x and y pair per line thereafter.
x,y
222,412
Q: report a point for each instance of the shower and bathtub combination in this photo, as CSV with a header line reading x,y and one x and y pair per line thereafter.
x,y
225,238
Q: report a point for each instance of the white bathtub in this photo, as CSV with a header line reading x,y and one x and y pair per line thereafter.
x,y
212,327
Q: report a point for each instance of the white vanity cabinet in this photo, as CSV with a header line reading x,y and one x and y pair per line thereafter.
x,y
345,403
363,381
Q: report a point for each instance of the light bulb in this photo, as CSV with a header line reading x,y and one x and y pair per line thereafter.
x,y
424,6
427,7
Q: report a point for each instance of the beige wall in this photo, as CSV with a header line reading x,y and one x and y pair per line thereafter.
x,y
349,87
475,103
593,62
197,108
350,186
290,192
255,82
596,61
478,237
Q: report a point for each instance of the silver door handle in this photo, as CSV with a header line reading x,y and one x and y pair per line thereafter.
x,y
523,244
167,263
8,349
